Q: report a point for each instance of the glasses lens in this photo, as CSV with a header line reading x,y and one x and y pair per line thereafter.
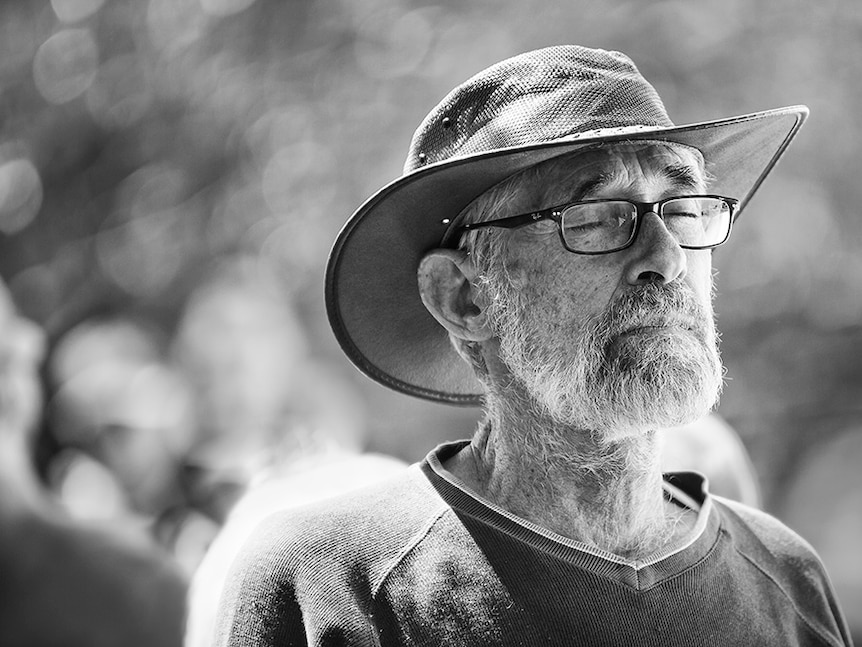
x,y
697,221
598,226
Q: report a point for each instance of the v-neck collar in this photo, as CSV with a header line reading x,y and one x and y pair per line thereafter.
x,y
688,489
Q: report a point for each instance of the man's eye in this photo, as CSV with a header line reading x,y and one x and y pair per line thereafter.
x,y
546,226
684,214
604,222
686,208
587,225
608,215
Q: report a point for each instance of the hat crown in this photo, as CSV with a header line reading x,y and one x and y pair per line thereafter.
x,y
540,96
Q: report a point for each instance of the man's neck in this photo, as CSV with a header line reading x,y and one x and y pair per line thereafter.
x,y
607,495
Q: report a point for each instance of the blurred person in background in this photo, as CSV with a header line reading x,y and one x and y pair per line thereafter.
x,y
562,230
124,417
65,582
240,345
116,400
261,403
277,429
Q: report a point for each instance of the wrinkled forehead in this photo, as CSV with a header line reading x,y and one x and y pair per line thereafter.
x,y
646,149
652,155
621,164
597,171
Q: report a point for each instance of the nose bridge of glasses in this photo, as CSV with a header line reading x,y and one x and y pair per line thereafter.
x,y
650,209
645,208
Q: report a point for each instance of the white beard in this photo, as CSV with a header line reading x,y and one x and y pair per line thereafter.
x,y
601,379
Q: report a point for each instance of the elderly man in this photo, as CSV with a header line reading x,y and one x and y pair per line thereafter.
x,y
561,228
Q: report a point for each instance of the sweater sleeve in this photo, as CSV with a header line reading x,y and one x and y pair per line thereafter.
x,y
297,583
258,604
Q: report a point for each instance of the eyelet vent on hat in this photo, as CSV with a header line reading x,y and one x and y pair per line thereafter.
x,y
538,97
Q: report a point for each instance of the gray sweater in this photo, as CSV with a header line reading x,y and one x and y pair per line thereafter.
x,y
420,561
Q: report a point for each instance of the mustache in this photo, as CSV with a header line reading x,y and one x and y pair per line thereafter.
x,y
654,305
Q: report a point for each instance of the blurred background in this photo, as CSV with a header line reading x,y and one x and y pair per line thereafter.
x,y
173,172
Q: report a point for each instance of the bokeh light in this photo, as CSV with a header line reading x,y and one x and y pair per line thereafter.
x,y
174,25
120,94
225,7
393,42
70,11
87,489
20,194
65,65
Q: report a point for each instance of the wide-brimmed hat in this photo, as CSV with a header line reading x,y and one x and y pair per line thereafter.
x,y
509,117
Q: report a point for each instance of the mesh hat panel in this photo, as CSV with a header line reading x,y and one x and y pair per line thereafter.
x,y
538,97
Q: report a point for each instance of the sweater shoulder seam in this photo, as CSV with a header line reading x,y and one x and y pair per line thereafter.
x,y
827,639
408,548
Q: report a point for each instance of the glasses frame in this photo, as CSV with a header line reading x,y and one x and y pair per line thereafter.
x,y
641,209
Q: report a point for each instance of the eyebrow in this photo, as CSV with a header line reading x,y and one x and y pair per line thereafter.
x,y
592,185
682,176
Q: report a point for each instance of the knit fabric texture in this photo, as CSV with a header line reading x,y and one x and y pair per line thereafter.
x,y
420,561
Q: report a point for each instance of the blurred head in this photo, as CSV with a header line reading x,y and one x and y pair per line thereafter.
x,y
612,342
262,403
117,398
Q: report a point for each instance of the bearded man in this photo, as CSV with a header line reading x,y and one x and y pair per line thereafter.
x,y
561,229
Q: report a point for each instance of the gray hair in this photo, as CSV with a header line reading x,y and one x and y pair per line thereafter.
x,y
487,248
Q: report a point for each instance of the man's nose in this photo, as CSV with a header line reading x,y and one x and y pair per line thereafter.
x,y
656,256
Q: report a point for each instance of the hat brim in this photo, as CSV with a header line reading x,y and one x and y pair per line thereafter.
x,y
372,298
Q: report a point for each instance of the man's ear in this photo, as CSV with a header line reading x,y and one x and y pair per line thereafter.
x,y
446,286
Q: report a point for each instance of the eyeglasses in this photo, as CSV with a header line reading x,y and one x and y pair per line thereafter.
x,y
605,226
